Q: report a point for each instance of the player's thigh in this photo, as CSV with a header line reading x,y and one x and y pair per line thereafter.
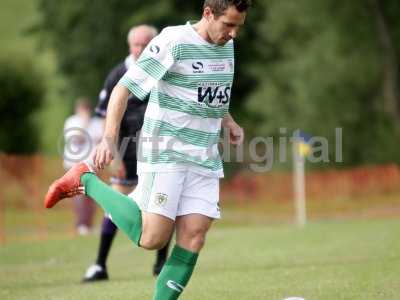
x,y
159,193
156,230
200,195
191,230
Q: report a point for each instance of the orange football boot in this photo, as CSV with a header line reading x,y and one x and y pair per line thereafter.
x,y
67,186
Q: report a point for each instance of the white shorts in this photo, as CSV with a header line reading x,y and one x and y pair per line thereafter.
x,y
177,193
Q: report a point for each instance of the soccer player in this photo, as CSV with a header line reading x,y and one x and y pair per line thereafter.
x,y
124,178
189,71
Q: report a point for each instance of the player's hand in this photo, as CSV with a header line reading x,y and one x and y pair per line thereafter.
x,y
103,153
236,134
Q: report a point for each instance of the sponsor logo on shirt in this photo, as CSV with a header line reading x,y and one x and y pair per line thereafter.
x,y
198,67
155,49
212,66
217,67
213,94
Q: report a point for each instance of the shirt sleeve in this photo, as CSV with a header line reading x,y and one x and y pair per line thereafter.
x,y
156,59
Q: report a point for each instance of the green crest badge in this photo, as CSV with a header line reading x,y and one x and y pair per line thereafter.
x,y
160,199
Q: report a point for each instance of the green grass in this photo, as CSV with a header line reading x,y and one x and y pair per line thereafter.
x,y
326,260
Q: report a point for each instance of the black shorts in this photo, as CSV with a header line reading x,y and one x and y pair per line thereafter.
x,y
131,174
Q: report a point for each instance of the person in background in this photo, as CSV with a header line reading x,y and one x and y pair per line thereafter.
x,y
82,132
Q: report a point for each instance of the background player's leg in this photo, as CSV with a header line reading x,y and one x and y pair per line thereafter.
x,y
108,232
190,236
98,271
84,211
161,258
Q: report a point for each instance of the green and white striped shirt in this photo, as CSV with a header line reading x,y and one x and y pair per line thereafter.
x,y
190,82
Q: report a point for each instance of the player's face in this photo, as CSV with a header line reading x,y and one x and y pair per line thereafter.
x,y
225,27
82,110
138,42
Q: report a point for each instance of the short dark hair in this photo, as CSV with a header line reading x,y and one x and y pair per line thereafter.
x,y
219,6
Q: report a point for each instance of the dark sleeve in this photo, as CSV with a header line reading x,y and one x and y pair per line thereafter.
x,y
110,82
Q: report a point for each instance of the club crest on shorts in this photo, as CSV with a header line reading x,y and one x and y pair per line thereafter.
x,y
160,199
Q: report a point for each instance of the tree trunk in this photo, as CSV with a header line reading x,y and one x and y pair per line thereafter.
x,y
391,76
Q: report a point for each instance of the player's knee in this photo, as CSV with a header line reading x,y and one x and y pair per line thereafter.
x,y
151,241
197,242
194,239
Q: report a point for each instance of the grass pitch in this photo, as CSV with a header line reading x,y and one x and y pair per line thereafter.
x,y
326,260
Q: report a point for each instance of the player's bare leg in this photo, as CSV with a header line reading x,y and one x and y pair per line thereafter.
x,y
190,237
156,231
191,231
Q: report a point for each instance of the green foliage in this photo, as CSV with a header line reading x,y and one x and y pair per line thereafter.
x,y
326,73
90,36
21,95
18,41
308,64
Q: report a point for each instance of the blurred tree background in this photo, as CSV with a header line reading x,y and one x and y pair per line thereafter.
x,y
335,64
309,64
21,95
90,37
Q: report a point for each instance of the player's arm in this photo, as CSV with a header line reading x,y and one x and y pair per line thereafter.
x,y
139,80
116,108
236,133
117,165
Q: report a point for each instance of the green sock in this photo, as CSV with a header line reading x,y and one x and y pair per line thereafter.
x,y
124,212
175,274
